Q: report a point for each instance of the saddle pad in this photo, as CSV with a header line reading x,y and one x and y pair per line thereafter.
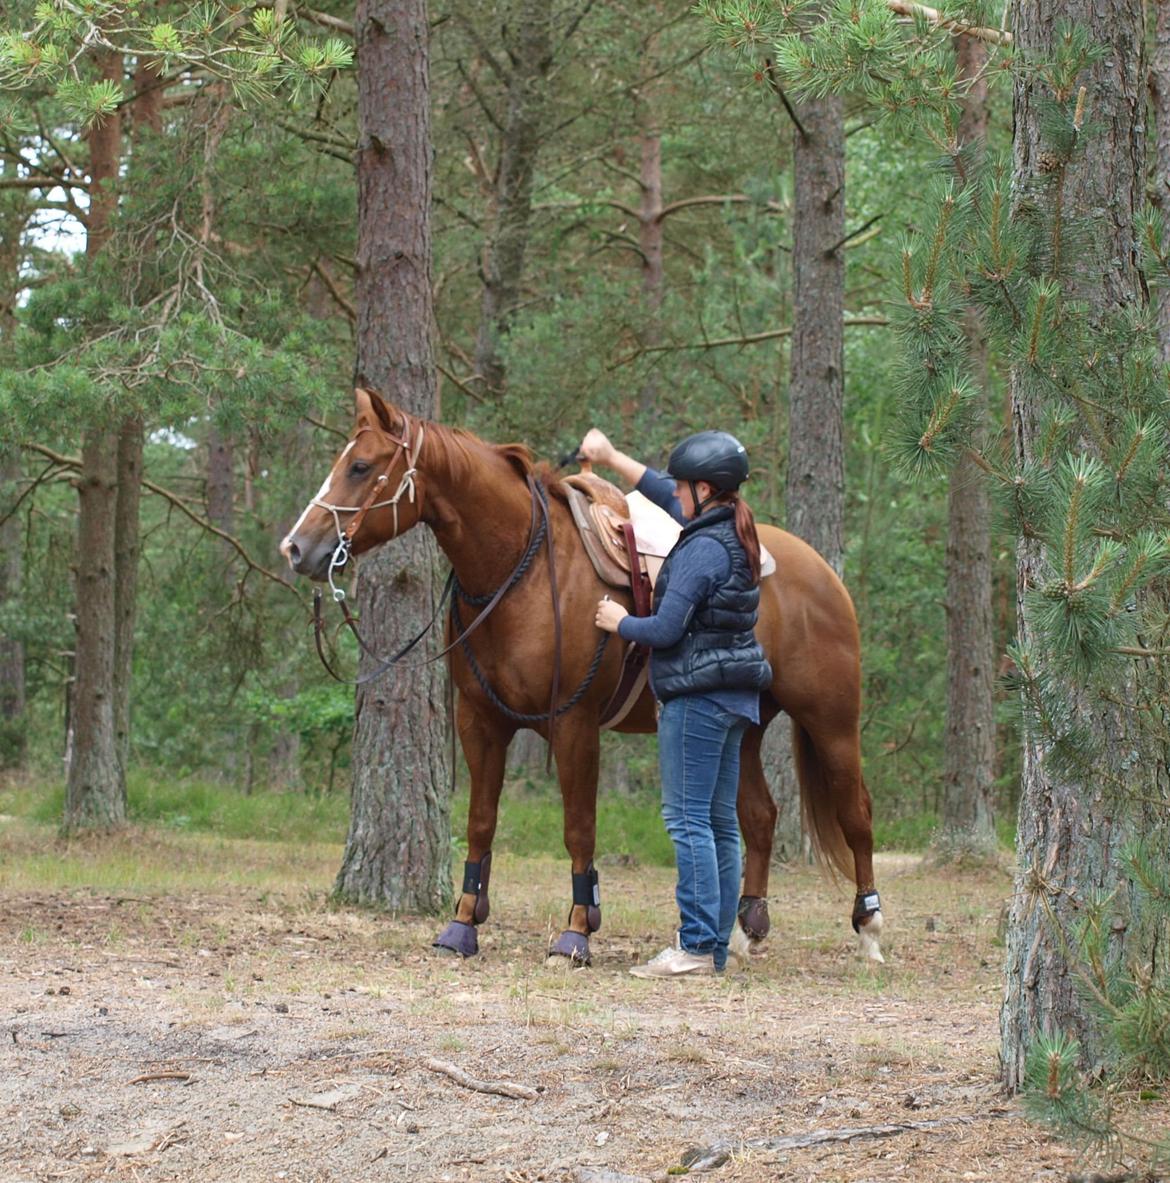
x,y
656,532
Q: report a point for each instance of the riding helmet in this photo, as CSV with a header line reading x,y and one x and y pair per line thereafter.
x,y
716,457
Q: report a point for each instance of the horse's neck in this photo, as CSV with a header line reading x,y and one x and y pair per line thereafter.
x,y
480,511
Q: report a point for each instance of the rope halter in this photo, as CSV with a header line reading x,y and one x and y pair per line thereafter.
x,y
406,486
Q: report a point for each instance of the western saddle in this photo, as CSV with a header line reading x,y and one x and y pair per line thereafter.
x,y
626,540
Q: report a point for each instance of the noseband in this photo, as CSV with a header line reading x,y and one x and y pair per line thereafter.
x,y
406,485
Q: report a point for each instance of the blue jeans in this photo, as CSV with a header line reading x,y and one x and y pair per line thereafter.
x,y
698,754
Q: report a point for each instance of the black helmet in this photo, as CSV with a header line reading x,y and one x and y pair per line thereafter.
x,y
716,457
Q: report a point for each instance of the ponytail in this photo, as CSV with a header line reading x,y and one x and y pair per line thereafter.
x,y
745,528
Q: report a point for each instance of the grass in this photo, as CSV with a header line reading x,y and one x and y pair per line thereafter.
x,y
531,819
281,837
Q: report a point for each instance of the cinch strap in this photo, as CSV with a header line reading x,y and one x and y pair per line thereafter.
x,y
587,893
866,904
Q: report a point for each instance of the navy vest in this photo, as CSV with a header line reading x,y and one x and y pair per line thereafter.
x,y
719,650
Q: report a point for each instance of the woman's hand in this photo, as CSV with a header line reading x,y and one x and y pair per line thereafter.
x,y
596,447
609,614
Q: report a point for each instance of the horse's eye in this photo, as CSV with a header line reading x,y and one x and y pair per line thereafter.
x,y
359,468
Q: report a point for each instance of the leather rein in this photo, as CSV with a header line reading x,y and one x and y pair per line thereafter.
x,y
539,531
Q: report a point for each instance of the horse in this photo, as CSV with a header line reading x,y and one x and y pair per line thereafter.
x,y
504,525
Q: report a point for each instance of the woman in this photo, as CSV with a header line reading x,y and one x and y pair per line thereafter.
x,y
706,669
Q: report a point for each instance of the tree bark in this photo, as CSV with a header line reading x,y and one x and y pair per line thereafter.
x,y
650,235
95,792
815,496
815,485
528,42
13,740
126,550
1071,832
967,825
1160,188
398,850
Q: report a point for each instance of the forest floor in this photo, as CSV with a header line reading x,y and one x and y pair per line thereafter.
x,y
242,1033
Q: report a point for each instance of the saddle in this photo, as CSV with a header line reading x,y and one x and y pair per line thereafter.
x,y
621,534
623,556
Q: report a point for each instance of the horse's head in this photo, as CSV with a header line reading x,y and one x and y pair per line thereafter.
x,y
369,496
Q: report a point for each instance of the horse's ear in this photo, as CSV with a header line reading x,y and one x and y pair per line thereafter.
x,y
373,410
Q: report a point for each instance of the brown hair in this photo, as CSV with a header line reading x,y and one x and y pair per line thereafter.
x,y
745,529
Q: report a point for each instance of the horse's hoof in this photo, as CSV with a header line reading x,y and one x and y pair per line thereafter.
x,y
869,938
574,946
458,938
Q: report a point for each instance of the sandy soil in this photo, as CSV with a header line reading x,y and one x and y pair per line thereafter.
x,y
254,1038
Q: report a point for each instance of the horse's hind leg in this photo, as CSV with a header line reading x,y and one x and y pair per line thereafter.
x,y
839,809
757,822
485,744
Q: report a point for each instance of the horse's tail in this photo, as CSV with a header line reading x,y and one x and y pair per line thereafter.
x,y
819,807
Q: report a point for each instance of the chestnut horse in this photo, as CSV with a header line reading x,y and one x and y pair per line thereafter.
x,y
485,505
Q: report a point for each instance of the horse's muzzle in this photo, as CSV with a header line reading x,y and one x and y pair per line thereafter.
x,y
307,558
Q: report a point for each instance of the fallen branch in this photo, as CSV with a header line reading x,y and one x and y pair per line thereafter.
x,y
715,1155
504,1088
149,1076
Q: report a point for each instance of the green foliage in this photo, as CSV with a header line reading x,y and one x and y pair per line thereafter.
x,y
257,59
1132,1002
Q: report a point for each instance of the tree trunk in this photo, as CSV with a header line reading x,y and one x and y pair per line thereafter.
x,y
398,850
528,41
1160,188
815,496
126,548
95,793
650,239
815,488
967,823
221,481
13,740
1071,832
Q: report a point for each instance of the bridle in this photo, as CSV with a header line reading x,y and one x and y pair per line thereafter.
x,y
345,537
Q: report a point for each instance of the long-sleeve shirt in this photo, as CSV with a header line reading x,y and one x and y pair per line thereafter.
x,y
695,573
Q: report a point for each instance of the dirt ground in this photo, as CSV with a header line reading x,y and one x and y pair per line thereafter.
x,y
244,1036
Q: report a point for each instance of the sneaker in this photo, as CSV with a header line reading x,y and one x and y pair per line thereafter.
x,y
674,962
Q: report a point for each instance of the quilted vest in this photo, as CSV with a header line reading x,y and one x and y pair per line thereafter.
x,y
719,650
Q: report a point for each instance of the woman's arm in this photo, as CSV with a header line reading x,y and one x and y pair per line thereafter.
x,y
597,448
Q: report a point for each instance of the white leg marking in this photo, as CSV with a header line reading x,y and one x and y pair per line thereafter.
x,y
739,946
868,939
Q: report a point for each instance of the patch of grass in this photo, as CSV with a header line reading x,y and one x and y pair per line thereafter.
x,y
200,807
532,824
531,817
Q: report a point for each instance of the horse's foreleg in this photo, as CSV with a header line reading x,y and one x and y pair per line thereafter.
x,y
757,821
485,744
577,750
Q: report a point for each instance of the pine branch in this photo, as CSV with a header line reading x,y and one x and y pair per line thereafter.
x,y
174,499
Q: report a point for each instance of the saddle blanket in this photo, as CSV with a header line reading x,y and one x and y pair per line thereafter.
x,y
656,532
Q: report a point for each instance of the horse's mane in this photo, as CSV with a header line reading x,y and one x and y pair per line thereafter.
x,y
459,445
